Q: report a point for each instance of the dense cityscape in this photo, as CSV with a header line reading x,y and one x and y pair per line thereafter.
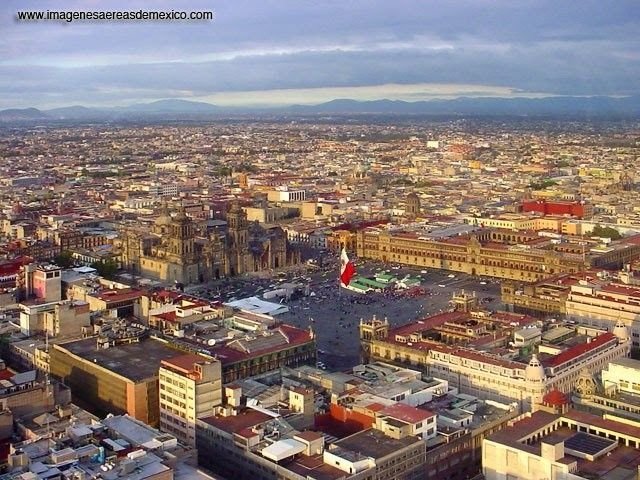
x,y
172,298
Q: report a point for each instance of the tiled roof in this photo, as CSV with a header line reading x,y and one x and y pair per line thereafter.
x,y
237,423
621,289
168,316
183,362
599,422
577,350
406,413
285,337
427,323
119,295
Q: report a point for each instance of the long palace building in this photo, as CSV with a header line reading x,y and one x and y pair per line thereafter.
x,y
525,256
471,350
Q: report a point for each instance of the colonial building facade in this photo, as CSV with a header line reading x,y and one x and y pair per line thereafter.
x,y
486,374
179,250
523,256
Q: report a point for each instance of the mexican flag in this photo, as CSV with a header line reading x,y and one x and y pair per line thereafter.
x,y
347,270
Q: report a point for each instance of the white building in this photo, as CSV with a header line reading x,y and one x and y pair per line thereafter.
x,y
284,194
603,305
561,446
401,420
388,383
163,190
622,375
488,376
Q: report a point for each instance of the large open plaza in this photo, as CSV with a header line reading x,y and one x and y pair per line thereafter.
x,y
334,312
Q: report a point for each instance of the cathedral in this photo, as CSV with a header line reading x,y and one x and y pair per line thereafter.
x,y
177,249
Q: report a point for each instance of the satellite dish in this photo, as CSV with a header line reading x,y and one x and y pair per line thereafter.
x,y
211,342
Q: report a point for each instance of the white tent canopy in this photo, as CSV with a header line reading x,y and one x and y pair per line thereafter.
x,y
283,449
256,305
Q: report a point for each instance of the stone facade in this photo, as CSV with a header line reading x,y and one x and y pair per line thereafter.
x,y
177,249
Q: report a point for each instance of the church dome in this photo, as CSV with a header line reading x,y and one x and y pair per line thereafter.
x,y
621,331
164,218
586,385
182,217
555,398
534,371
235,207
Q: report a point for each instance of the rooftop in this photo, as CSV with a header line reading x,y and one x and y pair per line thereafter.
x,y
407,413
135,361
248,418
132,430
184,362
119,295
375,444
626,362
579,349
312,468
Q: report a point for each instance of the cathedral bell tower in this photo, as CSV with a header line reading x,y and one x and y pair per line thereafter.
x,y
181,236
238,226
238,238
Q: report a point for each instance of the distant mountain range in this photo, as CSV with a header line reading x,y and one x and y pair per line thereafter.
x,y
184,109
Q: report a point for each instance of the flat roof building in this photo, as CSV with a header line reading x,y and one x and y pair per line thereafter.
x,y
120,379
573,445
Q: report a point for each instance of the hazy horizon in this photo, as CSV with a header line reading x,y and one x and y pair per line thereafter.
x,y
287,52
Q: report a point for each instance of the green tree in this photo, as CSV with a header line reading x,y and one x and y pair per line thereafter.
x,y
64,259
223,172
106,268
606,232
5,341
247,168
541,185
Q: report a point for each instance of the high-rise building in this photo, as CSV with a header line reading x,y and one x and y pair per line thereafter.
x,y
190,387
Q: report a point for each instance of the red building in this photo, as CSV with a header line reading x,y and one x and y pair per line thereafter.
x,y
10,269
558,207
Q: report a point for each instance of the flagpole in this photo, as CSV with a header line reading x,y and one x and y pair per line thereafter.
x,y
340,273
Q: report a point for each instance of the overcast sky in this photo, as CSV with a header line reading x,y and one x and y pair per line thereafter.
x,y
304,51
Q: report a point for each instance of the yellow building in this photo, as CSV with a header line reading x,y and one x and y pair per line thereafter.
x,y
491,253
512,221
190,387
313,210
339,239
605,304
67,319
514,255
547,296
